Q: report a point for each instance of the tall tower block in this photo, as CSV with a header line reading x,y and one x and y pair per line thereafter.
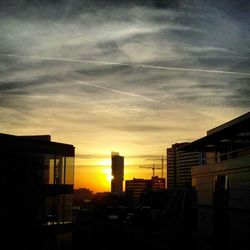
x,y
117,173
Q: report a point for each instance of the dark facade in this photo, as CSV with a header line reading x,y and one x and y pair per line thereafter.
x,y
158,183
222,181
136,187
179,165
81,196
117,173
37,177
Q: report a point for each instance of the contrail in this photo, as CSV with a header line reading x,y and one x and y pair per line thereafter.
x,y
128,64
121,92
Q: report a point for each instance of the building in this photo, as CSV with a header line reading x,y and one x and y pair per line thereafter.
x,y
37,177
81,196
179,165
158,183
117,169
222,181
136,187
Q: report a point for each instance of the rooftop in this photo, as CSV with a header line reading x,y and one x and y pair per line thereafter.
x,y
237,129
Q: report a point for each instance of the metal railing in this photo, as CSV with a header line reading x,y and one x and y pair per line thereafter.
x,y
231,154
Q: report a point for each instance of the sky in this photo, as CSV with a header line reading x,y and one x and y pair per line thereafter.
x,y
132,77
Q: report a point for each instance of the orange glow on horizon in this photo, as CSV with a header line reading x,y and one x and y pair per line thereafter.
x,y
95,173
107,172
97,177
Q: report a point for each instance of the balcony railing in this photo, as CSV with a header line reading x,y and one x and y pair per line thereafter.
x,y
219,157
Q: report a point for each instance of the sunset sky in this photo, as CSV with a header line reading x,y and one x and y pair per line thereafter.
x,y
130,77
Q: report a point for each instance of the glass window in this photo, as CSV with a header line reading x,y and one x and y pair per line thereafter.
x,y
54,169
68,201
69,177
58,209
48,175
59,170
51,211
220,190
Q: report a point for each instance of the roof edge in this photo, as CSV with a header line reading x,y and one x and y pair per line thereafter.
x,y
229,123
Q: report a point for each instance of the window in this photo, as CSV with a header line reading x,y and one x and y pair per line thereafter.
x,y
220,190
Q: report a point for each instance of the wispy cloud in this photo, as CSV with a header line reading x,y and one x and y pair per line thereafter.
x,y
121,92
131,77
133,65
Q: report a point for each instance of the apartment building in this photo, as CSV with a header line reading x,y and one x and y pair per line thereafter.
x,y
37,178
222,181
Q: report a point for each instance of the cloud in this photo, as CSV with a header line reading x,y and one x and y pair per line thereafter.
x,y
147,74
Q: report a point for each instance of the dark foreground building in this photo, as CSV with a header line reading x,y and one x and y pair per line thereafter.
x,y
222,181
37,177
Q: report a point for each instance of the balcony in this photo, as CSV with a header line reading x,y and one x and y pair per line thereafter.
x,y
233,161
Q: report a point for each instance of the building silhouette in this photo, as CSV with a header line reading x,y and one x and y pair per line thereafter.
x,y
222,181
37,177
117,169
179,165
158,183
136,187
81,196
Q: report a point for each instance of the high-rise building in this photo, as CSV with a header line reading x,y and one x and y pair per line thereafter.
x,y
222,182
179,165
37,178
117,173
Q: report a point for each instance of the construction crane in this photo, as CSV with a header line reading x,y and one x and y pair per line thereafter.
x,y
153,168
162,163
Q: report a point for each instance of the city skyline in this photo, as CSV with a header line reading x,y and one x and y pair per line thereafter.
x,y
131,78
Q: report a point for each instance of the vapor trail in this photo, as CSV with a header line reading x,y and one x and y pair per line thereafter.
x,y
121,92
128,64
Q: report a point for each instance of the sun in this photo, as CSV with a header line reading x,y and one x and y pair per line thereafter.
x,y
107,172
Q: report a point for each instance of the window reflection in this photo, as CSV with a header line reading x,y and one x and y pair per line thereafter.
x,y
58,169
59,209
49,169
69,170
